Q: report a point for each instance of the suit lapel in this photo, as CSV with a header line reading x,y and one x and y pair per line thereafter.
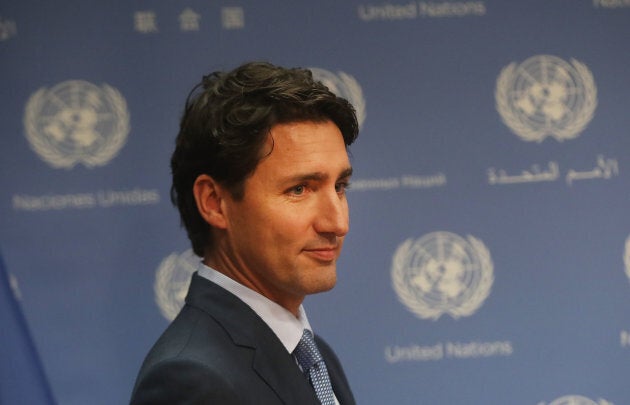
x,y
278,368
272,362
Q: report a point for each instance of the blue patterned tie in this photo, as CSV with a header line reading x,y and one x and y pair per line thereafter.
x,y
314,368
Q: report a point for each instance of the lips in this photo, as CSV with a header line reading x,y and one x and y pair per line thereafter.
x,y
325,254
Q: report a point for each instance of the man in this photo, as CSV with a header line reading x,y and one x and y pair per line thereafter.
x,y
260,173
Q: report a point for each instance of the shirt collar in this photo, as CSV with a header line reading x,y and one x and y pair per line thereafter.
x,y
284,324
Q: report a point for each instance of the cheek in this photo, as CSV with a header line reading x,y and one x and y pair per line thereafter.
x,y
274,223
291,234
290,229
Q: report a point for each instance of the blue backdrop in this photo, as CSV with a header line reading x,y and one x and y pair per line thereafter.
x,y
488,260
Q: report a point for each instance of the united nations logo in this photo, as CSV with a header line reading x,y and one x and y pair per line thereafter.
x,y
626,257
76,122
343,85
172,280
442,273
546,96
577,400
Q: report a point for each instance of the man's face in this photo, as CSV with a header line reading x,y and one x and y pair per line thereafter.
x,y
284,237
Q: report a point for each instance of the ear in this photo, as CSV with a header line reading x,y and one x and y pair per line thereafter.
x,y
209,197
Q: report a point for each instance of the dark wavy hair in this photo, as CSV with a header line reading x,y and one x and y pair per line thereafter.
x,y
226,121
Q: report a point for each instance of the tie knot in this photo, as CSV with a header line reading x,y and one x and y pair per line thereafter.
x,y
306,351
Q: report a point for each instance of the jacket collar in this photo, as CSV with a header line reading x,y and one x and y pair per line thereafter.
x,y
271,361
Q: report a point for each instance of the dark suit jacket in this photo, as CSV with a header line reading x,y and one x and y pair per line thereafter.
x,y
219,351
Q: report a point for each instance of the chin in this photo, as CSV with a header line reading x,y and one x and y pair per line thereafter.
x,y
324,282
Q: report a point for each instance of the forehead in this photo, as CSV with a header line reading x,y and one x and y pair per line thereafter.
x,y
304,146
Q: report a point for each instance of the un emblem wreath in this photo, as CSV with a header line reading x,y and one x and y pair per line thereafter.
x,y
442,273
343,85
76,122
546,96
172,280
577,400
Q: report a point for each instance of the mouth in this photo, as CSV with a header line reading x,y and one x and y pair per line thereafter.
x,y
325,254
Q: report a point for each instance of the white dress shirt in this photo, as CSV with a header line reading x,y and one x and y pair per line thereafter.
x,y
282,322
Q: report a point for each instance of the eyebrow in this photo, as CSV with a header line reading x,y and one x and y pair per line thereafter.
x,y
346,173
319,176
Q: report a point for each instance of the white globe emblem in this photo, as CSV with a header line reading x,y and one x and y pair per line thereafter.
x,y
442,273
577,400
76,122
546,96
172,280
345,86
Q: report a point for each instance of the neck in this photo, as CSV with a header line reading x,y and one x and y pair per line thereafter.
x,y
218,263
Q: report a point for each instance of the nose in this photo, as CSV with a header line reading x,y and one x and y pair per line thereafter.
x,y
332,217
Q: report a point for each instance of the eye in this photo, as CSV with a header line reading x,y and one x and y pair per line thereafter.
x,y
342,187
298,190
